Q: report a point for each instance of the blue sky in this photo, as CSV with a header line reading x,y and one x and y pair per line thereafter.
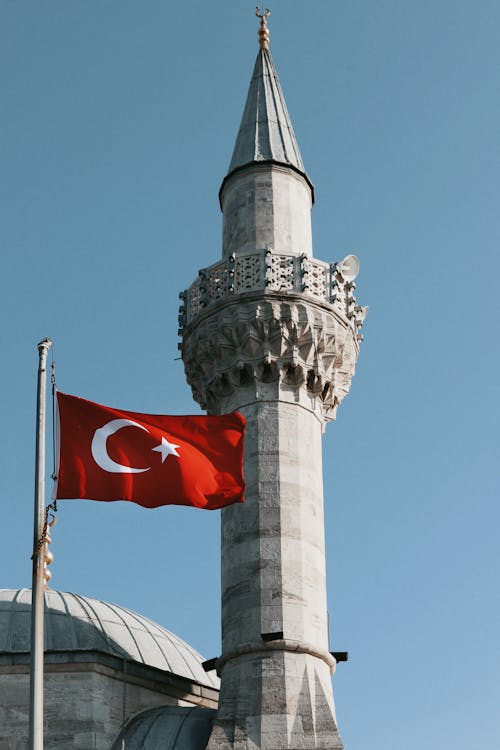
x,y
118,123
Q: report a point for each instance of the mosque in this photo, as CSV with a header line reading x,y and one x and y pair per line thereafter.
x,y
273,333
112,678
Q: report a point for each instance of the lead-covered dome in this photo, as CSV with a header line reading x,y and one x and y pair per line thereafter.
x,y
168,728
78,623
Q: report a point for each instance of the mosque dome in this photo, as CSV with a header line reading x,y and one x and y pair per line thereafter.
x,y
169,727
78,623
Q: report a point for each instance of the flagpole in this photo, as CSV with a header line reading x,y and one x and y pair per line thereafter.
x,y
37,587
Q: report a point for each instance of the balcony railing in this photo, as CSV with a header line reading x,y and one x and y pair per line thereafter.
x,y
270,272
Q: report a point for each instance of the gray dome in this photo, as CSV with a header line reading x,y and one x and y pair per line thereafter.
x,y
76,623
168,728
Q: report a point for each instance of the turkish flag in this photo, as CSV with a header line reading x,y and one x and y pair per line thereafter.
x,y
109,454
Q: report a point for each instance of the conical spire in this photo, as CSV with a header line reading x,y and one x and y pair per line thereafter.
x,y
266,132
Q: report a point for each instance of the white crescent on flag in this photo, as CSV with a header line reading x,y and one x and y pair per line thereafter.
x,y
104,461
100,452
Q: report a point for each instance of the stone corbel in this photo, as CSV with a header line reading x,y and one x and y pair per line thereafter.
x,y
295,345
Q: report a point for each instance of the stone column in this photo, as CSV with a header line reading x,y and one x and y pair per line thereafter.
x,y
274,336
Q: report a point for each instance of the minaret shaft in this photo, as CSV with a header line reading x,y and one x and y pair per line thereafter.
x,y
276,694
273,559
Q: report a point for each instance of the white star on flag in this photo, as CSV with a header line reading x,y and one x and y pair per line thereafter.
x,y
166,449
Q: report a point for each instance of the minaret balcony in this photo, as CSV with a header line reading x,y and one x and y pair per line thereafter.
x,y
264,272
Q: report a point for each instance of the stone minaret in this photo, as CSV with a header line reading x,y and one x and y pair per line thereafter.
x,y
273,333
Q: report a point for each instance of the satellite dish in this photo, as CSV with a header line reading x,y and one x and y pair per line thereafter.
x,y
349,267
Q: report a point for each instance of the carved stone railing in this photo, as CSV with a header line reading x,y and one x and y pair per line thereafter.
x,y
265,271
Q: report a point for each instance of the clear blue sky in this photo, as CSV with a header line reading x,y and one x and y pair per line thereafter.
x,y
118,123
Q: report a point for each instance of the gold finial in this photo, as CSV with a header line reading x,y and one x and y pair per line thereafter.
x,y
263,32
47,554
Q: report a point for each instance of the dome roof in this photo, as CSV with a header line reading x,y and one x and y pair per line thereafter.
x,y
169,727
76,623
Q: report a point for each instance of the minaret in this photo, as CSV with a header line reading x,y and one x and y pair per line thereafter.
x,y
272,333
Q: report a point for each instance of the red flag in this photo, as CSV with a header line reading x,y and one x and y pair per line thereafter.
x,y
109,454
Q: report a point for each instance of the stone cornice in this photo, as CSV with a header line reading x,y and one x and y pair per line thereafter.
x,y
128,670
296,647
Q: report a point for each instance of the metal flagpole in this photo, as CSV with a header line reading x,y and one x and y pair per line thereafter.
x,y
37,587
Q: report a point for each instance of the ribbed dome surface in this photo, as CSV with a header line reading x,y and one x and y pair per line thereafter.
x,y
168,728
75,623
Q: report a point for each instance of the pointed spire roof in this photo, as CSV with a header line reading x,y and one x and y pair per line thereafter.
x,y
266,132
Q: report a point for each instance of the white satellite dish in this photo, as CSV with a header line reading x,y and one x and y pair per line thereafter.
x,y
349,267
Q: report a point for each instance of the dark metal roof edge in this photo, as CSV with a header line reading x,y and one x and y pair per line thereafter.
x,y
264,163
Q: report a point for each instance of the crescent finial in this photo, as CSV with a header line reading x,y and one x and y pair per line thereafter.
x,y
263,32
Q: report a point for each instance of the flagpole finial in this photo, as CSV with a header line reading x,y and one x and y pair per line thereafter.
x,y
263,32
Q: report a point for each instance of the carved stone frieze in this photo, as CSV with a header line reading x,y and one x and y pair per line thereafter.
x,y
272,348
